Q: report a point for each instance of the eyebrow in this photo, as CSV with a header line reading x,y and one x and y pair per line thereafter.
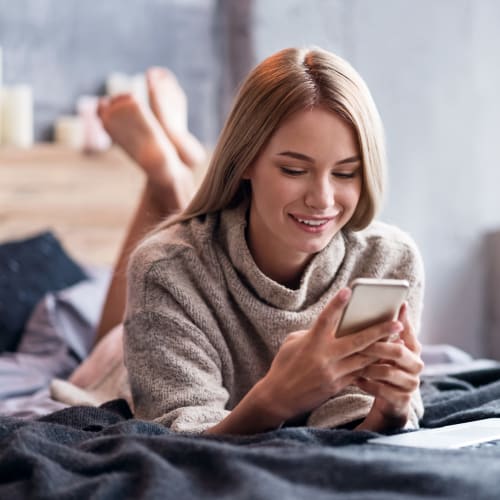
x,y
352,159
300,156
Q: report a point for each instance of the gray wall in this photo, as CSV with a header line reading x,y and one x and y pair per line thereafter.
x,y
432,66
433,69
66,48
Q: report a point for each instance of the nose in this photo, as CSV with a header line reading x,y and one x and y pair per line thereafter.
x,y
321,193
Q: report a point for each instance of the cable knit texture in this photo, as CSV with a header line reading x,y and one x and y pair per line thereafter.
x,y
203,323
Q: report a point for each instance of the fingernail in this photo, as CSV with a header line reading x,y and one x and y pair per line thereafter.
x,y
405,308
344,294
396,327
395,338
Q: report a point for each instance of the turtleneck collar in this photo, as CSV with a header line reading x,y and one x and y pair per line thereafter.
x,y
315,280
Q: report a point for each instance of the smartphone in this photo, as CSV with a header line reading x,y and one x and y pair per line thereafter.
x,y
372,301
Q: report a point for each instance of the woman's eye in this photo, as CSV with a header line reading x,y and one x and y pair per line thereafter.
x,y
291,171
345,175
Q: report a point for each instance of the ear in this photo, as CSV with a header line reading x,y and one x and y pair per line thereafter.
x,y
248,173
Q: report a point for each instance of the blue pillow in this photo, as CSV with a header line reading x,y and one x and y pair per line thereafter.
x,y
29,269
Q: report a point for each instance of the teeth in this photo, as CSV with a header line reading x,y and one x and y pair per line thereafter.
x,y
312,222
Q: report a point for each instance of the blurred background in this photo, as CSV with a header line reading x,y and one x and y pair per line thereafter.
x,y
432,67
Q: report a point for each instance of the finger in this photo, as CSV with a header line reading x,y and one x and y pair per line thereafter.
x,y
340,383
403,311
291,337
329,318
397,353
396,398
352,364
393,376
408,334
356,342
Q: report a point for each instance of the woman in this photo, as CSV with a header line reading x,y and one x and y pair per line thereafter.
x,y
233,305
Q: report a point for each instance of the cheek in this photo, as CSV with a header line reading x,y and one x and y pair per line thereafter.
x,y
275,193
349,198
353,193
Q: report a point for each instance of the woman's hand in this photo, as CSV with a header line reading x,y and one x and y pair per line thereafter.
x,y
313,365
392,379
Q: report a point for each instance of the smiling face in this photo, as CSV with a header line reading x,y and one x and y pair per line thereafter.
x,y
306,184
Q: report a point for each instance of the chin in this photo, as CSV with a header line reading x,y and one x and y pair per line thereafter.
x,y
311,247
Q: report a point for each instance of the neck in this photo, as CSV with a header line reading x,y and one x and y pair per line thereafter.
x,y
286,272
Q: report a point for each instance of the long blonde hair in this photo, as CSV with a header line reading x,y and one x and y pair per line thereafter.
x,y
288,81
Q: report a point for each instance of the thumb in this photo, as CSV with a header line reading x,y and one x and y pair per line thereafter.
x,y
408,334
329,318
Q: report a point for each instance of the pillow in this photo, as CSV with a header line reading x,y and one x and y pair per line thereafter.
x,y
29,269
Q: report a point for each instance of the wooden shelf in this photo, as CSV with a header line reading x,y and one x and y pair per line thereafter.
x,y
87,200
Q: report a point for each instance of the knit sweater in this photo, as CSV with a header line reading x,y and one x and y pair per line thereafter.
x,y
203,323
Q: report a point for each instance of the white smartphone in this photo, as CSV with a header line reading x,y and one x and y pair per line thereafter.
x,y
372,301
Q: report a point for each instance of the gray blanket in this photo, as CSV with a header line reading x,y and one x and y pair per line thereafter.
x,y
85,452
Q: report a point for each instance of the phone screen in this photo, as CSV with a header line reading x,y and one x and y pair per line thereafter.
x,y
372,301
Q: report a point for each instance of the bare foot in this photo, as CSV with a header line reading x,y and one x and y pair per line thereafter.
x,y
169,104
133,126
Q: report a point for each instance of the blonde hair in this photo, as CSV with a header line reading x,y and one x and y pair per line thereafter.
x,y
288,81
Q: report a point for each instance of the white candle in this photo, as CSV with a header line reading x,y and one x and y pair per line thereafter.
x,y
118,83
17,116
69,131
95,137
139,88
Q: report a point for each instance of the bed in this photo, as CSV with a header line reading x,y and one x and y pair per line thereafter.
x,y
86,452
48,450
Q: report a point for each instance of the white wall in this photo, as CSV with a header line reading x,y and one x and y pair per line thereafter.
x,y
65,49
433,68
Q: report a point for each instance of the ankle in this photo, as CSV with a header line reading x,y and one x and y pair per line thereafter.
x,y
190,149
168,199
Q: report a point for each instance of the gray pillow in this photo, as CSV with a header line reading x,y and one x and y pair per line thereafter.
x,y
30,268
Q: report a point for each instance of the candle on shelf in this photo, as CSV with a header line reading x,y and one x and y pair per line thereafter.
x,y
139,88
69,131
17,116
95,137
118,83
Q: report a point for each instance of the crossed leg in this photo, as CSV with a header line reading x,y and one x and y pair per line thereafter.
x,y
169,104
159,141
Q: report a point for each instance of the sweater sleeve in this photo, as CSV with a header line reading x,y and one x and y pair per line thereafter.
x,y
174,372
172,346
413,269
413,264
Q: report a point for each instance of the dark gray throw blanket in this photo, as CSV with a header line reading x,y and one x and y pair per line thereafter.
x,y
102,452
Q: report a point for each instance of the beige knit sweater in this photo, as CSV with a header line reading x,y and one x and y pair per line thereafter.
x,y
203,323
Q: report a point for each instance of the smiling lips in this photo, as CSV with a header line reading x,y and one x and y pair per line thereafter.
x,y
312,224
